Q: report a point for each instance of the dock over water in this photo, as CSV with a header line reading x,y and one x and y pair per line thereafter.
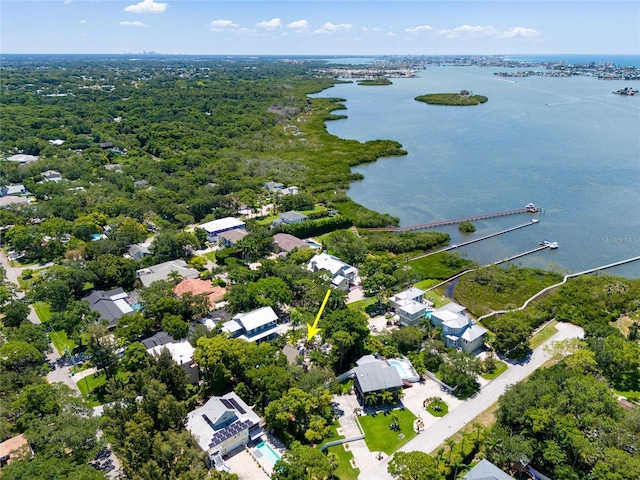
x,y
528,209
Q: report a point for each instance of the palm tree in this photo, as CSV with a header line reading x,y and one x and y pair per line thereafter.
x,y
450,443
174,276
386,396
477,427
370,398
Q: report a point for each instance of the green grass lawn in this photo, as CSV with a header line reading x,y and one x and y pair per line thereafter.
x,y
61,342
43,310
380,438
362,304
431,408
543,335
88,384
344,471
501,367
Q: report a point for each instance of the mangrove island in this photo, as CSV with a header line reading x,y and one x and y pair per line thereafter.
x,y
463,98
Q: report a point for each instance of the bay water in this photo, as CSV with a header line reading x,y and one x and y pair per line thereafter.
x,y
569,145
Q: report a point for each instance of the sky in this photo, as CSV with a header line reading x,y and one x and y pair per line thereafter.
x,y
320,27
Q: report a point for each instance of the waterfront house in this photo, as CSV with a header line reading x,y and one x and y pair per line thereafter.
x,y
410,306
291,217
223,424
255,326
458,329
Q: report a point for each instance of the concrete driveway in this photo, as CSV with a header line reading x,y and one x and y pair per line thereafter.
x,y
448,425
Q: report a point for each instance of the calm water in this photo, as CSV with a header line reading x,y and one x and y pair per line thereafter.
x,y
567,144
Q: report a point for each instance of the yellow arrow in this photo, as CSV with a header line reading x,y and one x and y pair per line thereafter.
x,y
312,329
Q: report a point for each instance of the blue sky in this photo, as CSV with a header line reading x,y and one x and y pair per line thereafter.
x,y
320,27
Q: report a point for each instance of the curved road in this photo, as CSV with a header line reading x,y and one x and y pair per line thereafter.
x,y
448,425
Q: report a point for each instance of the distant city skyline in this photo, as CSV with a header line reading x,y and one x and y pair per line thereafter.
x,y
320,27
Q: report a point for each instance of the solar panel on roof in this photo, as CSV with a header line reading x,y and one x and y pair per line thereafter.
x,y
238,407
226,403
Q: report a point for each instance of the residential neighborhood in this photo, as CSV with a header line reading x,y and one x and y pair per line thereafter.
x,y
187,291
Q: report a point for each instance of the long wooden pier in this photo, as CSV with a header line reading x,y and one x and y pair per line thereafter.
x,y
533,221
454,221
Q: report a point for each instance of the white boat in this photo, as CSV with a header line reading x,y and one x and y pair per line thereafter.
x,y
550,244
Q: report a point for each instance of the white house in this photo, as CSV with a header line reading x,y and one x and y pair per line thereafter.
x,y
342,275
216,227
458,329
181,353
255,326
410,306
223,424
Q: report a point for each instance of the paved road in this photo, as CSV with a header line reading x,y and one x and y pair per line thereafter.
x,y
448,425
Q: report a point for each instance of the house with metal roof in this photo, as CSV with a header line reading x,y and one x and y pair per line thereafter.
x,y
410,306
373,375
485,470
111,305
255,326
342,275
458,329
216,227
231,237
292,217
161,271
223,424
17,189
138,250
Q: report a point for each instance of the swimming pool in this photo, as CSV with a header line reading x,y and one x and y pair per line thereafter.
x,y
269,453
314,245
405,369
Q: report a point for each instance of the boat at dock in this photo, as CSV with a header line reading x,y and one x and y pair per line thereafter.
x,y
532,208
549,243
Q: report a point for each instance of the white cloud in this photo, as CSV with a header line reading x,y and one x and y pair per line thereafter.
x,y
299,26
520,32
83,21
419,28
391,34
331,27
223,26
147,6
134,24
482,31
272,24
